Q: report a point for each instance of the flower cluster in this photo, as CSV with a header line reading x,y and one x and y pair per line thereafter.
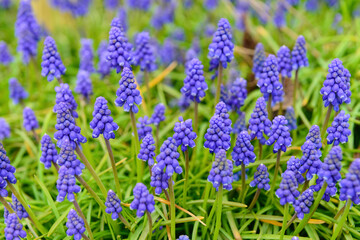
x,y
113,205
259,124
159,179
221,111
330,169
298,54
144,55
279,135
243,151
139,4
102,122
339,130
143,200
288,188
76,8
83,84
211,4
143,127
87,56
184,135
123,16
240,124
147,149
75,225
104,66
68,158
18,208
4,129
64,94
14,229
293,164
290,117
261,178
159,114
258,60
6,171
314,137
303,203
17,92
350,185
30,121
127,94
237,95
217,135
284,62
66,185
51,65
168,158
163,14
310,161
5,56
49,153
221,172
279,15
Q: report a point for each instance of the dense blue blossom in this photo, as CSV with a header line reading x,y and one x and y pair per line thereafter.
x,y
211,4
293,164
104,66
75,225
350,185
64,95
221,111
144,54
49,154
68,159
312,5
261,178
14,229
330,169
18,208
258,60
4,129
147,149
288,188
303,203
314,137
6,171
237,175
5,4
123,18
209,30
5,56
139,4
221,171
284,62
51,65
128,96
66,185
159,114
330,190
279,15
113,205
178,34
279,135
163,14
143,200
183,134
159,179
217,135
30,122
183,103
77,8
290,117
17,92
168,52
310,161
102,122
87,56
237,94
259,124
243,151
240,124
298,54
168,158
339,131
336,89
143,127
111,4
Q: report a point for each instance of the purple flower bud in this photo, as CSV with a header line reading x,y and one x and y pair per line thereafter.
x,y
127,94
144,54
259,124
168,52
30,122
168,158
331,3
17,92
51,65
143,200
243,151
5,56
350,185
87,56
6,171
312,5
269,80
221,50
330,169
209,30
18,208
183,237
237,95
284,61
66,185
64,94
221,171
183,103
14,229
104,66
147,149
336,89
314,137
123,18
68,159
261,178
113,205
76,8
293,164
4,129
280,15
163,14
158,115
298,54
5,4
140,4
75,225
49,153
279,135
143,127
159,179
240,124
258,60
290,117
111,4
184,135
211,4
288,188
217,135
310,161
303,203
329,191
339,131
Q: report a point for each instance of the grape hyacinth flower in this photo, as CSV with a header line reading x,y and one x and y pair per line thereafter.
x,y
64,94
237,175
310,161
240,124
279,135
159,180
159,114
17,92
183,103
5,4
269,83
221,111
51,65
111,4
163,14
217,136
237,95
298,54
18,208
168,158
30,121
68,159
288,188
76,8
303,203
261,178
243,152
279,15
128,96
259,124
144,55
143,127
6,172
140,4
330,190
119,48
84,85
168,52
284,62
143,200
209,30
258,60
336,89
13,229
221,172
147,149
102,122
4,129
75,225
339,130
66,128
184,135
349,186
211,4
5,56
293,164
330,169
290,117
87,56
312,5
49,153
314,137
104,66
66,185
123,18
113,205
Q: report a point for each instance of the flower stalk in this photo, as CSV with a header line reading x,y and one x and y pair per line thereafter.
x,y
326,121
286,214
218,86
172,209
253,202
139,163
219,197
113,166
342,219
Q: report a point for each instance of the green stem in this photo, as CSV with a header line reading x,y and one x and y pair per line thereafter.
x,y
157,138
139,163
326,121
291,220
233,226
87,225
342,219
338,214
218,212
257,194
242,195
150,224
186,175
277,166
91,191
91,170
6,205
28,223
172,209
196,116
146,77
37,224
260,151
113,166
124,221
286,213
306,218
269,109
59,79
85,237
294,92
35,136
218,87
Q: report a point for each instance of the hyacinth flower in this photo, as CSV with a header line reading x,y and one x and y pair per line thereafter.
x,y
261,181
290,117
163,14
4,129
14,229
147,150
284,63
211,4
140,4
144,203
143,127
17,92
30,122
293,164
339,130
27,31
49,154
104,66
76,225
303,203
183,237
279,15
66,184
157,117
237,95
330,169
221,51
310,162
119,49
258,60
123,18
243,154
51,65
64,94
87,56
68,159
113,207
159,180
217,136
240,124
18,208
269,83
76,8
5,56
84,85
111,4
221,177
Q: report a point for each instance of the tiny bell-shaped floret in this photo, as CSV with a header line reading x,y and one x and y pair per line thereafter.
x,y
303,203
